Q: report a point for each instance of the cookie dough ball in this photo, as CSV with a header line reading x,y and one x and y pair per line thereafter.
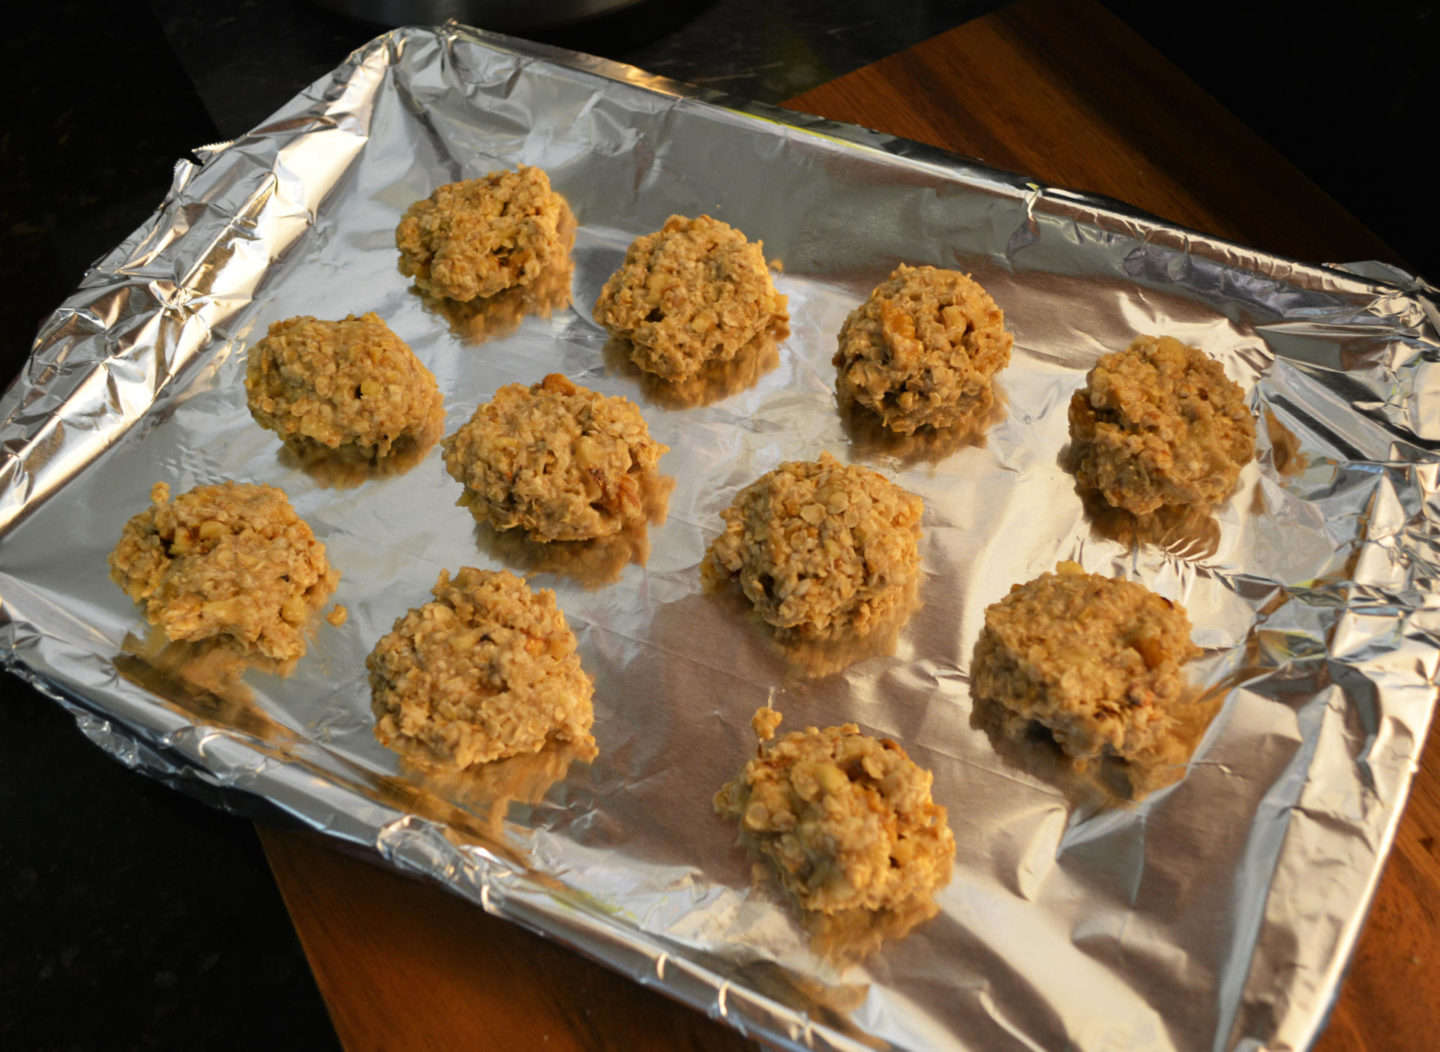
x,y
691,293
822,549
1095,660
231,561
351,387
481,236
1160,424
558,461
922,350
846,820
486,670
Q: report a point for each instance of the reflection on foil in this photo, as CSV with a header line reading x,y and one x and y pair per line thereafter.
x,y
493,317
592,563
850,936
1186,531
337,469
716,380
869,437
1285,453
203,679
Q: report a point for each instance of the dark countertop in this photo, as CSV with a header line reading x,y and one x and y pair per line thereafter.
x,y
139,917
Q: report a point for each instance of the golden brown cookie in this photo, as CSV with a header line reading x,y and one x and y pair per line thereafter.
x,y
845,820
350,387
231,561
488,669
692,293
558,461
1160,424
1096,661
481,236
822,549
922,350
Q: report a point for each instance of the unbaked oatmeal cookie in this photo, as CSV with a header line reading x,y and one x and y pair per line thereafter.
x,y
351,387
231,562
923,350
487,669
846,820
693,292
1160,424
559,461
1096,661
482,236
822,549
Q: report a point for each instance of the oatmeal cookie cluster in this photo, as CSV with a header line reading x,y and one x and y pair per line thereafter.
x,y
231,562
351,387
845,820
558,461
922,350
692,293
482,236
1096,661
1159,424
488,669
822,549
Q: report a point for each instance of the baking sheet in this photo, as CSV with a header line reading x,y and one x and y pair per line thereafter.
x,y
1217,913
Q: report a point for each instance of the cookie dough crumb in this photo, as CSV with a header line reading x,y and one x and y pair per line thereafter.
x,y
351,387
1160,424
693,292
337,615
559,461
481,236
922,350
231,562
764,722
822,549
488,669
845,820
1097,661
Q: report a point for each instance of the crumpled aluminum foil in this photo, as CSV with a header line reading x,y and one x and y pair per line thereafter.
x,y
1217,912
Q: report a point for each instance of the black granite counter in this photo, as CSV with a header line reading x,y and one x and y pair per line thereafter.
x,y
136,917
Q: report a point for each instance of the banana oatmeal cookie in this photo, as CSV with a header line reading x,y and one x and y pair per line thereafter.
x,y
693,292
486,670
1094,660
923,350
351,387
559,461
1160,424
482,236
231,561
845,820
822,549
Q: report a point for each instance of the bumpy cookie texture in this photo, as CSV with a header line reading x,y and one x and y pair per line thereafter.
x,y
230,562
845,820
352,387
1160,424
822,549
481,236
486,670
1095,660
693,292
560,462
923,350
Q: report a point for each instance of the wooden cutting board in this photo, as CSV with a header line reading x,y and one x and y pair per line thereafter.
x,y
1062,92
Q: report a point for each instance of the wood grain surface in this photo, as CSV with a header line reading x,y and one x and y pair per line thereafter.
x,y
1059,91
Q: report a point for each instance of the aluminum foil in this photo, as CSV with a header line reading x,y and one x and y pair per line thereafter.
x,y
1219,912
